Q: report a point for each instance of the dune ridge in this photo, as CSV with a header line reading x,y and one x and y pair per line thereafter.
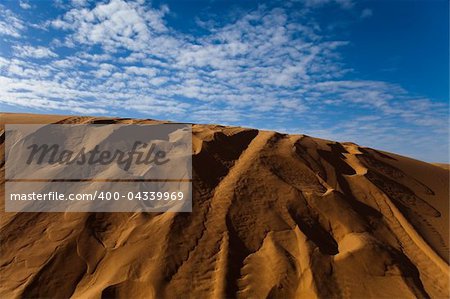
x,y
274,216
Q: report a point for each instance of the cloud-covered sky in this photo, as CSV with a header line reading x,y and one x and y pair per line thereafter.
x,y
375,73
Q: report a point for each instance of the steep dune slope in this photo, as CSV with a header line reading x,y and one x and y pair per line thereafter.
x,y
274,215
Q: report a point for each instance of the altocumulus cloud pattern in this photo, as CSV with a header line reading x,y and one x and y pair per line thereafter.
x,y
273,66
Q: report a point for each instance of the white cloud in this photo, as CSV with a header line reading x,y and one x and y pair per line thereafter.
x,y
10,24
33,52
24,5
115,24
141,71
366,13
79,3
316,3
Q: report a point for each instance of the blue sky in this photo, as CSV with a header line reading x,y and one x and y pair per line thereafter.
x,y
370,72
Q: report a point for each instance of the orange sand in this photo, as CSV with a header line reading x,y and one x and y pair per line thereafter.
x,y
274,215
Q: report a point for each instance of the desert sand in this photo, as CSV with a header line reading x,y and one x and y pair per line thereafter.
x,y
274,216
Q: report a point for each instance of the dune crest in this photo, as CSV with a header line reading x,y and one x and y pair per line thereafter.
x,y
274,216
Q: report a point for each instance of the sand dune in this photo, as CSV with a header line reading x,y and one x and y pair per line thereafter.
x,y
274,216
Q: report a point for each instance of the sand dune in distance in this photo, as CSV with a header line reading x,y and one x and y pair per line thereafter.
x,y
274,216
